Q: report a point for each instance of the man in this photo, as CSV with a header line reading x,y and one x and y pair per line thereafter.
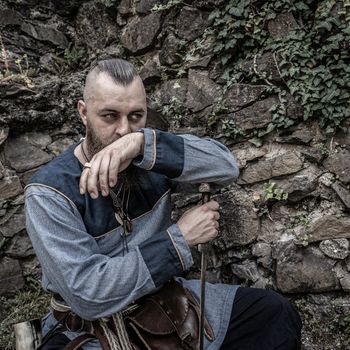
x,y
99,220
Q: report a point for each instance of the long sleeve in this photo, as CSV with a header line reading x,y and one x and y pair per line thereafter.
x,y
93,283
187,158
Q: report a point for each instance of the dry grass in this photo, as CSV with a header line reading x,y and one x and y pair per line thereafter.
x,y
29,303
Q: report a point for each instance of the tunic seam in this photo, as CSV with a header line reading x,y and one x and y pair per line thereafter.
x,y
54,189
154,150
177,250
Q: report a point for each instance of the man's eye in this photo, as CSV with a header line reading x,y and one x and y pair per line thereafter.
x,y
136,116
109,116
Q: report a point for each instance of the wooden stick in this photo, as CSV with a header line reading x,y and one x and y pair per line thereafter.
x,y
204,189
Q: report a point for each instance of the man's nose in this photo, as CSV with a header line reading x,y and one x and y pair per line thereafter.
x,y
123,126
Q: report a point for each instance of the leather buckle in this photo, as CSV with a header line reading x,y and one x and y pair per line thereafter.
x,y
71,322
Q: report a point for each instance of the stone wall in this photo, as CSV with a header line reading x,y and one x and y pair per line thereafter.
x,y
285,223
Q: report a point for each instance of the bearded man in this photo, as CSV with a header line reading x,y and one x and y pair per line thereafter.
x,y
99,219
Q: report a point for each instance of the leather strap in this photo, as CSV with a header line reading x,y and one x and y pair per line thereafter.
x,y
100,335
79,341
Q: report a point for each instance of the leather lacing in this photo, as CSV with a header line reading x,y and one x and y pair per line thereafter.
x,y
111,331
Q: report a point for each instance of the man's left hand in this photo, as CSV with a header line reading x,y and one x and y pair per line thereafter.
x,y
109,162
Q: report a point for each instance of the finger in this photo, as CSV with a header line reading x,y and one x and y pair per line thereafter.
x,y
216,215
83,180
214,233
213,205
113,170
92,180
103,174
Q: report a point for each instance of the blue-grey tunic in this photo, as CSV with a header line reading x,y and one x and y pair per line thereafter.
x,y
78,240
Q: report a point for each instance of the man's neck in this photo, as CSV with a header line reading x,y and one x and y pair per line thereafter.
x,y
79,154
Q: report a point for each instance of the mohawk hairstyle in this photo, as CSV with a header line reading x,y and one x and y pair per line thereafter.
x,y
121,71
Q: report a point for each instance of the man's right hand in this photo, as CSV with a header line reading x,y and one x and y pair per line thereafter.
x,y
109,162
200,224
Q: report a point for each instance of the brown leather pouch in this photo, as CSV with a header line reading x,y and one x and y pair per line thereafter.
x,y
168,319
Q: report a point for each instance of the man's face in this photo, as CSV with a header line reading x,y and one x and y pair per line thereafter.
x,y
112,111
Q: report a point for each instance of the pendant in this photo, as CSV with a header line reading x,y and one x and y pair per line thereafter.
x,y
119,219
125,223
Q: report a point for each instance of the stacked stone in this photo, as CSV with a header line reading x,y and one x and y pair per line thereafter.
x,y
296,245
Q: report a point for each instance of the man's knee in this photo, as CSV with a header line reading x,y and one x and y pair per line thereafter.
x,y
280,306
263,318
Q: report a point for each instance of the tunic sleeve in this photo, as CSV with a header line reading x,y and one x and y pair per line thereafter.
x,y
187,158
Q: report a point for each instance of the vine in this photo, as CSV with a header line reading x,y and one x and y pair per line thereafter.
x,y
312,59
167,6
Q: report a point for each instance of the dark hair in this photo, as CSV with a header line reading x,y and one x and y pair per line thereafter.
x,y
121,71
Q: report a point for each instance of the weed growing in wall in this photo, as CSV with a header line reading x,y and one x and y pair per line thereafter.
x,y
273,192
22,66
167,6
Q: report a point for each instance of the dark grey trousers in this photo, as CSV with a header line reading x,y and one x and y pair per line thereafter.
x,y
262,320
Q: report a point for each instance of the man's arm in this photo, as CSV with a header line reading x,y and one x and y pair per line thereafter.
x,y
188,159
182,158
92,283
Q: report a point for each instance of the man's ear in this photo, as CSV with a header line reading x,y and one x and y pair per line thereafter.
x,y
82,111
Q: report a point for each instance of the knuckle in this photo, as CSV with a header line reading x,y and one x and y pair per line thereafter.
x,y
205,208
114,152
92,172
102,171
112,177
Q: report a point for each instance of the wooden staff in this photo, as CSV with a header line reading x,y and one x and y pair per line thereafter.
x,y
204,189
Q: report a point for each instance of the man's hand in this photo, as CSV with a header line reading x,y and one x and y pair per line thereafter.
x,y
200,224
108,163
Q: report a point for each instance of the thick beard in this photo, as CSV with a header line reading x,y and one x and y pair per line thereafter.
x,y
94,144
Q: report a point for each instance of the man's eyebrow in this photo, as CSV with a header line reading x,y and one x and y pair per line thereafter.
x,y
138,110
111,110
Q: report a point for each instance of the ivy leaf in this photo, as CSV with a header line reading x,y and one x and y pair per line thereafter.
x,y
301,6
325,25
329,130
237,11
224,59
256,141
214,14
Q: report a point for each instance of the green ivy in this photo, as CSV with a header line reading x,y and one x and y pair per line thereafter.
x,y
174,112
313,60
166,6
272,192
